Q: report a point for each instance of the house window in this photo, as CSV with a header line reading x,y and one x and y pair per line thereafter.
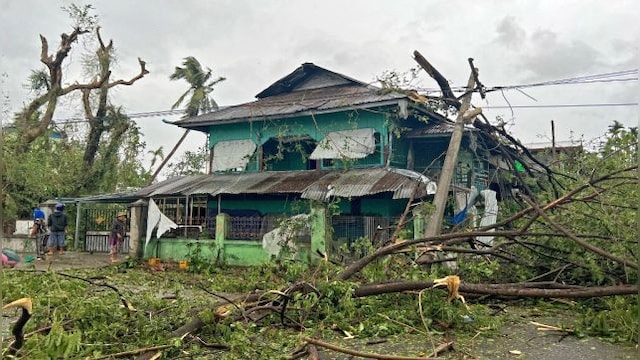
x,y
364,149
232,155
346,144
328,163
288,153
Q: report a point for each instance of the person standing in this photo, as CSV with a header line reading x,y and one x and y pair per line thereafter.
x,y
39,231
57,223
116,237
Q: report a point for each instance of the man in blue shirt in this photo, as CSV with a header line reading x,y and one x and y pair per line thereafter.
x,y
39,231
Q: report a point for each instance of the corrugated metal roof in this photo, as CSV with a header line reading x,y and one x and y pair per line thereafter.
x,y
296,78
296,103
312,184
434,128
121,197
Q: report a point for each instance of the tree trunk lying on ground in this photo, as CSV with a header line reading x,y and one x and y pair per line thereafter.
x,y
507,290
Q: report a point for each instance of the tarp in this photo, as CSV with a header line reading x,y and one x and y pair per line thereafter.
x,y
490,214
9,258
155,217
232,155
465,206
349,144
431,186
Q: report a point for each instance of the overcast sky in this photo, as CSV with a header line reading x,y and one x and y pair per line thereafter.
x,y
254,43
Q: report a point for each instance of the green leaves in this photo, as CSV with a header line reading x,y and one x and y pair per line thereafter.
x,y
200,87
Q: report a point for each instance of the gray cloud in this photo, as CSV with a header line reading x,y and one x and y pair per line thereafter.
x,y
254,44
548,57
510,33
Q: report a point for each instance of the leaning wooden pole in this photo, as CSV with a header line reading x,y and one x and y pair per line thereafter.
x,y
444,180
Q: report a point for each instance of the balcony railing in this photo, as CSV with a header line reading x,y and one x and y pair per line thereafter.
x,y
351,228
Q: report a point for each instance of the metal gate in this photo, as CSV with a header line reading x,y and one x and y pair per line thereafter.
x,y
97,226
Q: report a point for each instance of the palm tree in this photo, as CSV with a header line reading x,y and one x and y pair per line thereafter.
x,y
157,154
201,86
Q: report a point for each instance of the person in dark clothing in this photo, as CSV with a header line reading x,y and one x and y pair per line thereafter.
x,y
40,232
116,237
57,223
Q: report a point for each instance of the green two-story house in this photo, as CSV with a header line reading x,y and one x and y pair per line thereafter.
x,y
317,139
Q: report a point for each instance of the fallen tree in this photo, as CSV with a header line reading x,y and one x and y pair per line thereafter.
x,y
520,290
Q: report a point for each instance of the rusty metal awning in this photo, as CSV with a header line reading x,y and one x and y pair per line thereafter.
x,y
311,184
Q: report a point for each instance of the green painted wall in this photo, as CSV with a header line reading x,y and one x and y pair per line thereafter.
x,y
267,205
262,130
177,249
399,152
316,127
236,252
383,207
428,153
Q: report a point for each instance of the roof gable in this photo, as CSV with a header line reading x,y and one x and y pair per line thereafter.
x,y
306,77
308,90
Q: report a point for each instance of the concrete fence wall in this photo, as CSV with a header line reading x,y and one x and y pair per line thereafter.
x,y
236,252
20,243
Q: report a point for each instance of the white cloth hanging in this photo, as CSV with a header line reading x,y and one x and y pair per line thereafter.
x,y
164,225
276,239
155,217
490,214
349,144
232,154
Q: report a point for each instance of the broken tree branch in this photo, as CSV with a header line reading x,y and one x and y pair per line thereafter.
x,y
344,350
441,348
447,94
356,266
479,85
134,352
579,241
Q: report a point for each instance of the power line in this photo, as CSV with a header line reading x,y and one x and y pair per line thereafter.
x,y
560,106
588,79
77,120
72,120
617,76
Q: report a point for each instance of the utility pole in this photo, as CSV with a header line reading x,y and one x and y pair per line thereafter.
x,y
553,141
444,181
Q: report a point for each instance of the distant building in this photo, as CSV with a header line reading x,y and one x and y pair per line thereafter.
x,y
549,152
